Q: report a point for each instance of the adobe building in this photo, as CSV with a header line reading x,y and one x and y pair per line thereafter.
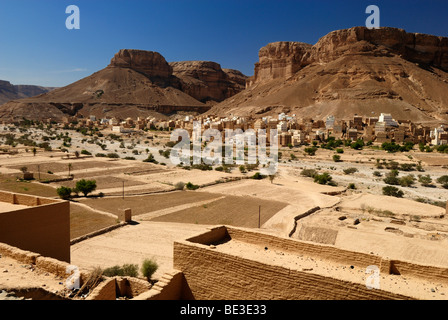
x,y
36,224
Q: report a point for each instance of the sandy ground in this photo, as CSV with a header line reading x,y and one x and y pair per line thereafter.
x,y
14,275
133,244
147,239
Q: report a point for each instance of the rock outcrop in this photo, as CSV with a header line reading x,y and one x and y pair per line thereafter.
x,y
151,63
284,59
207,81
347,72
280,60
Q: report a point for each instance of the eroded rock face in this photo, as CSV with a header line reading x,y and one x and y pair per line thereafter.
x,y
280,60
151,63
419,48
207,81
283,59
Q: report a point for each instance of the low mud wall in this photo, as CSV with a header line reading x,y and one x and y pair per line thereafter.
x,y
211,274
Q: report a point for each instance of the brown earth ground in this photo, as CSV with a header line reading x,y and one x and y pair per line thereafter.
x,y
420,235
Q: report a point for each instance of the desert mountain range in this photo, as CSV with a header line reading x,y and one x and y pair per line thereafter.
x,y
10,92
352,71
135,83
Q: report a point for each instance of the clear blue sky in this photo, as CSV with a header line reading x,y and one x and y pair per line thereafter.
x,y
36,48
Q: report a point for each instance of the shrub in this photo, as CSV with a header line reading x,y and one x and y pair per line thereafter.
x,y
100,155
339,150
311,151
425,180
86,186
357,145
308,173
149,267
407,181
322,178
258,176
443,180
407,167
130,270
129,158
393,192
86,152
392,178
351,186
151,159
377,174
113,155
64,192
336,158
350,170
191,186
179,186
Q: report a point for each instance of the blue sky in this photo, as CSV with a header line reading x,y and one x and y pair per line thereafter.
x,y
37,48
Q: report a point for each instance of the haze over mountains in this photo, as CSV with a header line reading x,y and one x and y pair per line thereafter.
x,y
352,71
10,92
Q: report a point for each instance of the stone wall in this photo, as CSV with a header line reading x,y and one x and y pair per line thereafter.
x,y
43,228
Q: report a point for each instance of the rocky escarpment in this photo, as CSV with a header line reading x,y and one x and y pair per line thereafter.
x,y
283,59
207,81
280,60
151,63
347,72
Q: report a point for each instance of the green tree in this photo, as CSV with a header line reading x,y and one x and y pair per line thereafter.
x,y
86,186
323,178
64,192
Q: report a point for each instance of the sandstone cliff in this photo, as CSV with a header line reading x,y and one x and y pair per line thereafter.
x,y
349,71
207,81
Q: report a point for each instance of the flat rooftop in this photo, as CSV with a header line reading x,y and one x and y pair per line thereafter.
x,y
5,207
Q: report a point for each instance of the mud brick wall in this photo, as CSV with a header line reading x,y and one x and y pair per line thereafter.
x,y
43,229
212,275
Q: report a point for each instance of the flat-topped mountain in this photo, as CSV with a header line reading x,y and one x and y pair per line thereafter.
x,y
135,83
352,71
